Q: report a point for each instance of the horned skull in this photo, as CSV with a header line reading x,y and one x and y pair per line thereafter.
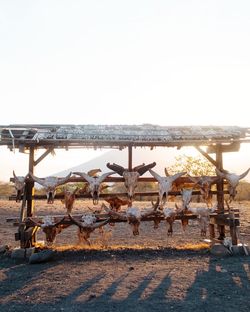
x,y
131,177
50,184
19,183
94,183
50,228
204,183
233,180
165,184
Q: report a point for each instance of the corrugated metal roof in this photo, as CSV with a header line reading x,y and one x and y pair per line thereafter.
x,y
117,135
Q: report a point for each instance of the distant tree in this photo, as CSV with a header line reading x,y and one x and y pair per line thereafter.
x,y
194,166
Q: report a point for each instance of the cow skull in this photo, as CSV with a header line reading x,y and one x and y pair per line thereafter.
x,y
69,198
233,180
50,228
131,177
50,184
87,226
19,183
186,197
133,216
204,183
94,183
165,184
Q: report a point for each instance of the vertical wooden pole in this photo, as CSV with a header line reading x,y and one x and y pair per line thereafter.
x,y
220,189
30,185
130,158
211,231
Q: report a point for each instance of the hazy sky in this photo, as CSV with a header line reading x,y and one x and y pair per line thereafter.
x,y
125,62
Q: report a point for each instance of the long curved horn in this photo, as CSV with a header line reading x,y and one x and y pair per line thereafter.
x,y
34,222
117,168
63,180
94,226
99,224
166,172
194,179
144,169
15,177
85,176
244,174
76,222
36,179
155,175
219,173
105,175
176,176
138,167
59,222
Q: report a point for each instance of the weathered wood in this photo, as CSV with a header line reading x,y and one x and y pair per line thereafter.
x,y
208,157
226,148
211,231
222,220
46,153
30,185
138,196
233,233
130,157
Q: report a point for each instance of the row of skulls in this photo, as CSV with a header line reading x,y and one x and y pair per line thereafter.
x,y
130,180
133,215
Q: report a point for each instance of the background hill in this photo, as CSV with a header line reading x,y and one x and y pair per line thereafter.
x,y
162,158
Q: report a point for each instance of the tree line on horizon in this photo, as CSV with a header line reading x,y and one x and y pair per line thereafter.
x,y
195,166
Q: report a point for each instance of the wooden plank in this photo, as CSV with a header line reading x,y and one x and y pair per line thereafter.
x,y
209,158
138,196
130,157
220,220
226,148
46,153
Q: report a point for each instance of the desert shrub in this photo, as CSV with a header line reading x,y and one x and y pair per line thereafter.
x,y
6,189
243,191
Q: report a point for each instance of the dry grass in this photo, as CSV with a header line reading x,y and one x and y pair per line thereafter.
x,y
194,247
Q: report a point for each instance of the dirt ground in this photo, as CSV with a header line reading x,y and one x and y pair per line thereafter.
x,y
149,272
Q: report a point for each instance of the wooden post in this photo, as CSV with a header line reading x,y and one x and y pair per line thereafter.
x,y
130,158
211,231
220,189
30,185
27,234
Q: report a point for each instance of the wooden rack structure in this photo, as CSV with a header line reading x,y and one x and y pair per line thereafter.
x,y
207,140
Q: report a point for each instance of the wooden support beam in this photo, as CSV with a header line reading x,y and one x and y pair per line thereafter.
x,y
130,157
30,185
209,158
233,147
46,153
137,196
23,206
220,189
220,183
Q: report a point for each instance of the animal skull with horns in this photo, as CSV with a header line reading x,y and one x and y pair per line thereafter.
x,y
50,228
204,183
130,177
133,216
50,184
165,184
233,180
87,226
19,183
94,183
